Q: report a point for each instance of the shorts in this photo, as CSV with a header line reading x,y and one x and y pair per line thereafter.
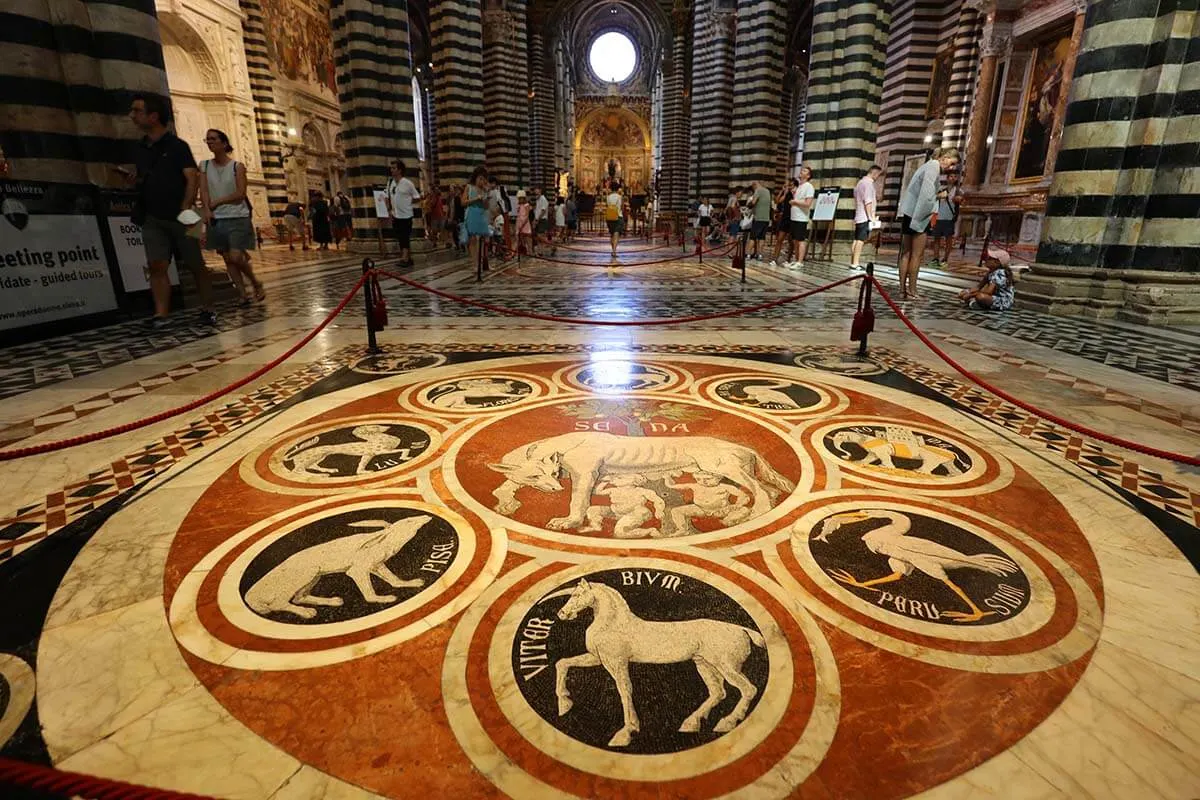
x,y
758,230
616,225
292,223
798,230
944,228
862,231
231,233
572,225
906,227
543,225
733,228
705,222
403,229
164,238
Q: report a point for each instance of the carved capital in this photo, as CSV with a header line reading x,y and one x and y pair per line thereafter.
x,y
723,23
499,26
996,40
1081,6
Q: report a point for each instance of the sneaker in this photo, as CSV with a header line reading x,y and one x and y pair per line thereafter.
x,y
773,264
208,318
159,323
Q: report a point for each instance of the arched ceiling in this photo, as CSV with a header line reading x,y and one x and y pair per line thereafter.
x,y
575,23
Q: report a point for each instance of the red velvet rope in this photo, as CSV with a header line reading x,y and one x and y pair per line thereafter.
x,y
49,447
72,784
617,323
1032,409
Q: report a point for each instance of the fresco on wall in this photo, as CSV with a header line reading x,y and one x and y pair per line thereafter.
x,y
1040,106
299,44
939,85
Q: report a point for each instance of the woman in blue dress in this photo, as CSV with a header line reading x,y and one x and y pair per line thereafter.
x,y
474,199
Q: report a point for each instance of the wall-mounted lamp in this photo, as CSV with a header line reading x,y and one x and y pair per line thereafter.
x,y
990,139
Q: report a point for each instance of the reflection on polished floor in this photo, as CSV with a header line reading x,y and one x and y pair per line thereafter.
x,y
512,557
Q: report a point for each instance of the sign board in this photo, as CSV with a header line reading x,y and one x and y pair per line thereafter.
x,y
825,206
381,209
52,260
131,256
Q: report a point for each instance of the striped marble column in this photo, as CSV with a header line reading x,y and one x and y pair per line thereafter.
x,y
712,99
268,119
67,74
506,100
964,71
541,107
676,128
846,68
374,79
457,32
759,108
1120,234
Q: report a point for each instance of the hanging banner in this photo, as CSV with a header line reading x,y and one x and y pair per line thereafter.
x,y
825,206
52,260
127,244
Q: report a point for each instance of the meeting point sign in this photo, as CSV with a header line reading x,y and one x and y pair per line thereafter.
x,y
52,259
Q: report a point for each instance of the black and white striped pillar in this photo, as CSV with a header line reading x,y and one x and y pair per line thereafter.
x,y
849,44
269,121
760,132
1120,237
506,99
67,74
964,71
541,108
374,79
676,127
457,30
712,100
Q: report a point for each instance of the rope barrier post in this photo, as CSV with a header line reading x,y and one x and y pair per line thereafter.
x,y
372,344
869,279
741,248
479,260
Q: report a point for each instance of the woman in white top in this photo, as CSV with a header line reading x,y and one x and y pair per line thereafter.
x,y
918,204
703,221
230,229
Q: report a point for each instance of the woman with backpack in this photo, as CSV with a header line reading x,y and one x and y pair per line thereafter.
x,y
227,211
614,217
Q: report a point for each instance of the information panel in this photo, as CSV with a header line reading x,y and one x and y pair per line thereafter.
x,y
52,261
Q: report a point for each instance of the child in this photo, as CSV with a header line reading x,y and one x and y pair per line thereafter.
x,y
560,220
524,224
995,291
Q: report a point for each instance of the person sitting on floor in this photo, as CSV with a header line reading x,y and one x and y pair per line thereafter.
x,y
995,290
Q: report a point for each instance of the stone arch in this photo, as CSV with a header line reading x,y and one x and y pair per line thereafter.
x,y
200,89
593,153
599,114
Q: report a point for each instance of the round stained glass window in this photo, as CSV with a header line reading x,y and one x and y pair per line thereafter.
x,y
612,56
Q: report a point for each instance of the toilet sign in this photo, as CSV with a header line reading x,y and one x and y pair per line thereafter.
x,y
826,205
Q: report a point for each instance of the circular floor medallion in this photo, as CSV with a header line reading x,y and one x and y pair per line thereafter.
x,y
330,581
396,363
618,376
647,669
889,453
349,453
777,396
842,364
478,393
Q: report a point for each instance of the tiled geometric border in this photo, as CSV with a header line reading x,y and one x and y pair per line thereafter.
x,y
21,430
36,522
1150,409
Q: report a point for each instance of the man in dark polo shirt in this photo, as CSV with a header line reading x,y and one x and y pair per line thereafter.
x,y
167,180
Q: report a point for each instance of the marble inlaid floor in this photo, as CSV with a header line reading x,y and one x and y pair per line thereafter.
x,y
509,557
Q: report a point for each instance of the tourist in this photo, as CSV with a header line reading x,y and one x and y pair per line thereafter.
x,y
560,220
524,224
343,230
783,215
227,212
167,180
761,203
541,217
995,291
703,222
918,206
458,220
293,224
864,213
572,215
613,210
319,215
800,209
474,200
947,217
401,194
733,215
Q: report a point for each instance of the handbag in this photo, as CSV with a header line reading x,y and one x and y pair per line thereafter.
x,y
864,317
379,314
